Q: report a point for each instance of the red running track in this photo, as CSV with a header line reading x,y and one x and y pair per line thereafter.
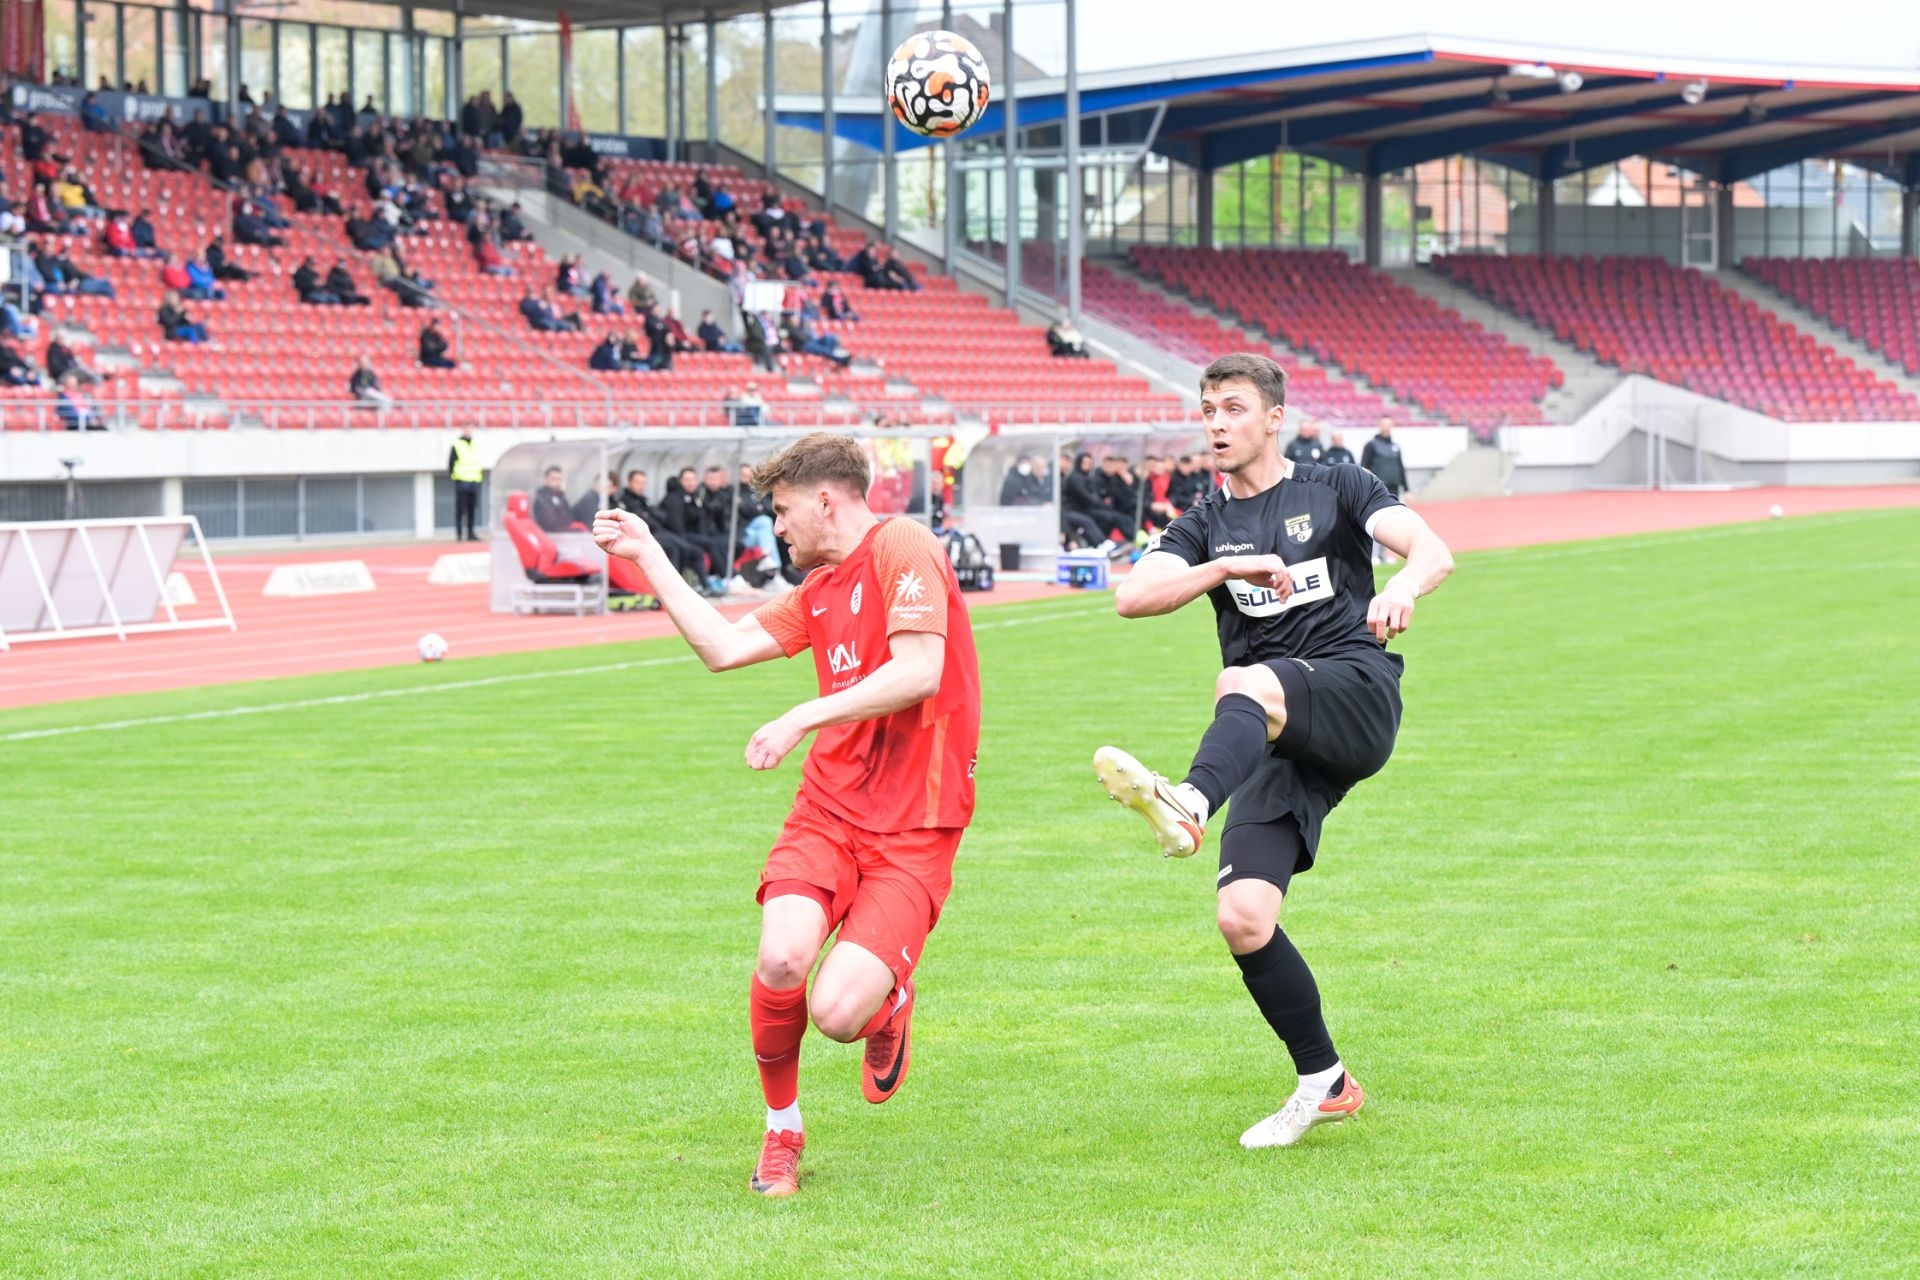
x,y
281,637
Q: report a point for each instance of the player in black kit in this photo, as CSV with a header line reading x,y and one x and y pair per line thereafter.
x,y
1309,701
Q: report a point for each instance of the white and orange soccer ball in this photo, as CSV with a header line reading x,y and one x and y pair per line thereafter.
x,y
433,647
937,83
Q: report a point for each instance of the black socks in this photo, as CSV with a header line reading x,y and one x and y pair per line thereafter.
x,y
1229,750
1281,984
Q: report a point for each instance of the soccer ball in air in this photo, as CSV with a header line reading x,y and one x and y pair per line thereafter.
x,y
937,83
433,647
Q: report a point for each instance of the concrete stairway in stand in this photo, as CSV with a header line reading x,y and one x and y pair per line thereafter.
x,y
1832,335
1478,471
1587,379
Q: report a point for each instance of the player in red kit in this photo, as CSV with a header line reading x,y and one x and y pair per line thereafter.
x,y
887,789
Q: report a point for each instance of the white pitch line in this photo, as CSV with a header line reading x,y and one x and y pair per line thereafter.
x,y
368,695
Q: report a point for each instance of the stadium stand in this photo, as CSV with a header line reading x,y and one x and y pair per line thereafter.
x,y
928,355
1346,315
1647,316
1123,302
1875,300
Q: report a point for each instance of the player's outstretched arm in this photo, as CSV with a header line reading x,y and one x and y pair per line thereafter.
x,y
1162,582
722,645
911,674
1428,562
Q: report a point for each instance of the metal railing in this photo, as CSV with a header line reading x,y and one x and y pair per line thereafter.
x,y
191,414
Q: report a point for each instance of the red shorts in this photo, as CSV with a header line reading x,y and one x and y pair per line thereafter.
x,y
883,891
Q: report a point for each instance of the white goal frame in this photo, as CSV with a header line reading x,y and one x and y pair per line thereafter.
x,y
136,576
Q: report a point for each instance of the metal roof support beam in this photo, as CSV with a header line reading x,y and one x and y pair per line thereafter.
x,y
1371,232
1910,222
1011,144
828,143
1543,214
1723,227
1075,232
1402,153
1218,114
1234,145
770,141
1613,148
1748,162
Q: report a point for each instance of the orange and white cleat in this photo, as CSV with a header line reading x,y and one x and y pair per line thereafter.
x,y
778,1172
1151,796
1292,1122
884,1068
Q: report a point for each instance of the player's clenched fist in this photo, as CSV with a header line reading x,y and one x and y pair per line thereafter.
x,y
770,745
1270,572
621,533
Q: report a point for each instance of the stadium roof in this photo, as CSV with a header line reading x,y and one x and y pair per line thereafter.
x,y
642,13
1378,106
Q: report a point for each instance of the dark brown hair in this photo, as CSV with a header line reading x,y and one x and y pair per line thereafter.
x,y
820,458
1267,377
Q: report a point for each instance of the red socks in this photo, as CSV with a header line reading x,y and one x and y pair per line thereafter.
x,y
779,1020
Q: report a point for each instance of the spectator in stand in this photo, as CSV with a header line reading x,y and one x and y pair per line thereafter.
x,y
878,268
640,296
11,223
512,225
34,140
340,284
677,336
458,201
749,410
1305,447
760,341
76,408
223,267
569,279
606,302
1337,453
433,347
1382,457
713,337
15,369
606,357
1026,484
659,340
1066,341
62,363
487,253
309,288
719,204
285,131
15,323
364,386
94,117
512,119
176,323
250,228
772,217
120,242
550,508
804,339
144,238
835,304
161,148
543,317
62,275
44,216
1188,484
390,272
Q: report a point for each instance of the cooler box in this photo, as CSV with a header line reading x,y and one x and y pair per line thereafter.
x,y
1081,569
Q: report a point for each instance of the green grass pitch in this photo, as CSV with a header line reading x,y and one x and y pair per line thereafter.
x,y
1625,944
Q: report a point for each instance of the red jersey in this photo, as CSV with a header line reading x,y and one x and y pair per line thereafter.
x,y
913,768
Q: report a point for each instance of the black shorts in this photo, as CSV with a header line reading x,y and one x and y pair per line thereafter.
x,y
1343,713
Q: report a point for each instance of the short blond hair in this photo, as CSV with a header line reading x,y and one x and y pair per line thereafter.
x,y
820,458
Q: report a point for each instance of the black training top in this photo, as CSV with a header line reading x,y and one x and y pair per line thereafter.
x,y
1315,520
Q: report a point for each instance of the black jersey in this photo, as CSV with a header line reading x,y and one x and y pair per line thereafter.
x,y
1317,521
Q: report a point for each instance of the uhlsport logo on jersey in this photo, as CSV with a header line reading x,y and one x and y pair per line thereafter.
x,y
843,658
1311,582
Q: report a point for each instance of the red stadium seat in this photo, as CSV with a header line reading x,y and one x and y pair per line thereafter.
x,y
538,556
